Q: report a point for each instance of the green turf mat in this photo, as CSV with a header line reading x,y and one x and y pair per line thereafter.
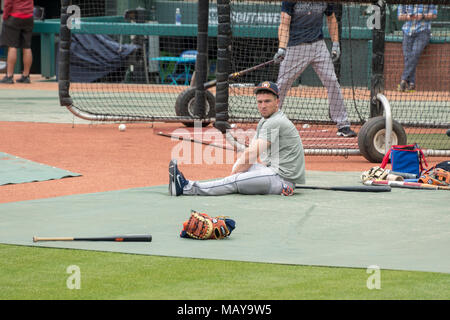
x,y
15,170
393,230
34,106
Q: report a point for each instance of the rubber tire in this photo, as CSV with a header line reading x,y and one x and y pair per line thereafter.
x,y
185,103
369,136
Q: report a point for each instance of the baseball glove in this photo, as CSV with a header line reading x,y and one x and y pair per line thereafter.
x,y
203,227
435,176
375,173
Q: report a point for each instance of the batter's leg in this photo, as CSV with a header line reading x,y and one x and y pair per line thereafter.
x,y
296,60
258,180
324,68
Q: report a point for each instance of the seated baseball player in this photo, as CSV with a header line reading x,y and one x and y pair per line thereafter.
x,y
273,163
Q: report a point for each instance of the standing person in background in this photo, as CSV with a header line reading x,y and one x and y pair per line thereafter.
x,y
416,36
301,43
16,34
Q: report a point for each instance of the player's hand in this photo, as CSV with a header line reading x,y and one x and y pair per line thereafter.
x,y
279,56
335,51
287,190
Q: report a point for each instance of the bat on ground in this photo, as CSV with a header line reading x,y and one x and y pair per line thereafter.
x,y
349,188
121,238
402,174
404,184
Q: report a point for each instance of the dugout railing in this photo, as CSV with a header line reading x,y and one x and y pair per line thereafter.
x,y
240,34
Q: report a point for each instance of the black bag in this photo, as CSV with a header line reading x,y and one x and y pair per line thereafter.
x,y
444,165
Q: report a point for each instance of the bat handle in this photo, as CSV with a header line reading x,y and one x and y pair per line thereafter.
x,y
209,84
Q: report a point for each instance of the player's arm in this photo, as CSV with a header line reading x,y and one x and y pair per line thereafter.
x,y
403,17
334,35
431,14
283,30
250,155
7,8
333,28
402,14
283,37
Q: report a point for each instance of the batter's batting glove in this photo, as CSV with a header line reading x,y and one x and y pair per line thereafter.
x,y
279,56
287,190
335,51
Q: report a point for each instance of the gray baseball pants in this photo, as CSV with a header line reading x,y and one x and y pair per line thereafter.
x,y
295,62
259,179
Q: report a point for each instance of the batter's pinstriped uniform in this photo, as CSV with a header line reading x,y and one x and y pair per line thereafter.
x,y
306,47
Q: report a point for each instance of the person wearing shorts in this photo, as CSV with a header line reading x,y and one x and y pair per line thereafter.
x,y
301,43
273,163
16,34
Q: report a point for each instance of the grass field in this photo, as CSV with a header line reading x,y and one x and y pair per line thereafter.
x,y
41,273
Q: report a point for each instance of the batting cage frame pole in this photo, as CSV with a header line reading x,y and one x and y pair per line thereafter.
x,y
201,65
223,64
377,79
64,56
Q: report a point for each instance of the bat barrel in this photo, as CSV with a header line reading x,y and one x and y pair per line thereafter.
x,y
364,188
120,238
235,75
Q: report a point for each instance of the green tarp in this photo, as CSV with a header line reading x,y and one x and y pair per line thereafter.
x,y
403,229
15,170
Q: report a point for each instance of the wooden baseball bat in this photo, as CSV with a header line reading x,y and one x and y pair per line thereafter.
x,y
349,188
120,238
405,184
402,174
237,74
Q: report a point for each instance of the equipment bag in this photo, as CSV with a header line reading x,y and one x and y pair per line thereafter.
x,y
405,158
444,165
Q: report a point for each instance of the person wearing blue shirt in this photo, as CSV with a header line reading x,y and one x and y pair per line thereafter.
x,y
301,43
416,36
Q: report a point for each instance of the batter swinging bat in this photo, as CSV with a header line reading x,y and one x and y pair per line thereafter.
x,y
124,238
349,188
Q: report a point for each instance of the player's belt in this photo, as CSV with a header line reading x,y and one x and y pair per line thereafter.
x,y
313,41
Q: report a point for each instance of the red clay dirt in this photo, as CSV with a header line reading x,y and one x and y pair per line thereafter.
x,y
109,159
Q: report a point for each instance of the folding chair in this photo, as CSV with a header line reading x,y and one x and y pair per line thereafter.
x,y
184,67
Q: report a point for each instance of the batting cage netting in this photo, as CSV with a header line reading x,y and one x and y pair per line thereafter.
x,y
342,67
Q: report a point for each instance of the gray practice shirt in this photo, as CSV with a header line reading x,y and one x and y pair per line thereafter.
x,y
285,154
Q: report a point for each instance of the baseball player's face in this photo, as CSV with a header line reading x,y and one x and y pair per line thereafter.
x,y
267,104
